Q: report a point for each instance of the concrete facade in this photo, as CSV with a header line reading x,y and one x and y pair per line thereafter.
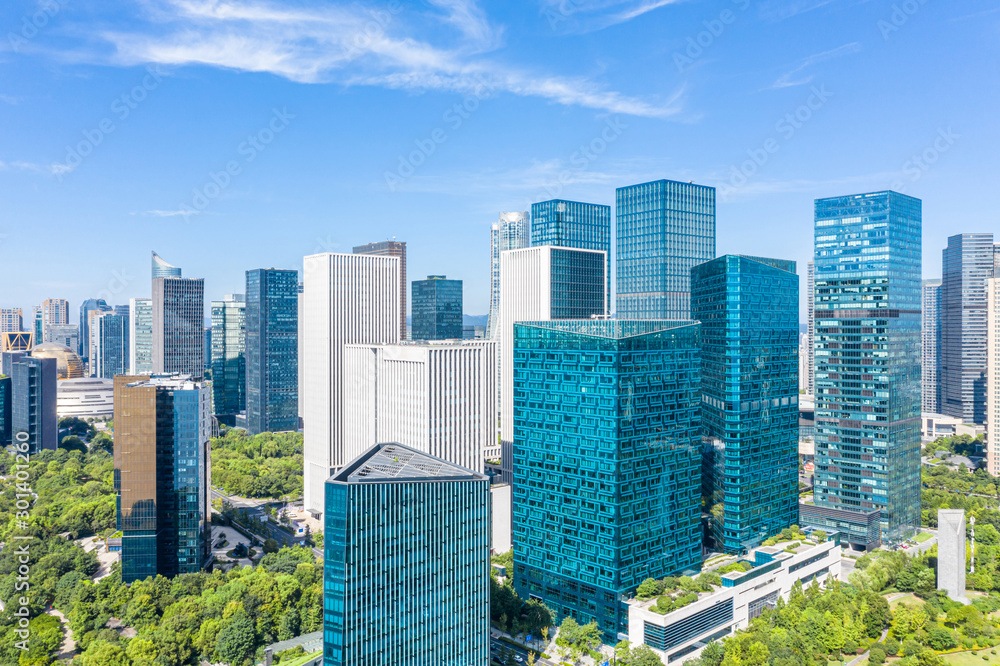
x,y
951,553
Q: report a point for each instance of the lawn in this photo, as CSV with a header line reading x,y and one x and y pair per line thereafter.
x,y
923,536
304,659
909,600
969,659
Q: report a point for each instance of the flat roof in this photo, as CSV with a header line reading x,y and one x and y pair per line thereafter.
x,y
393,462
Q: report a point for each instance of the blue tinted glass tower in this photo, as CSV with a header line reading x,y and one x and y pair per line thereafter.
x,y
867,319
111,345
33,403
5,406
749,313
663,229
229,339
272,334
88,306
607,475
406,564
585,226
437,309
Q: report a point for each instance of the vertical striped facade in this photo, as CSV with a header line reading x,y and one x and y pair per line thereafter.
x,y
993,375
179,326
347,299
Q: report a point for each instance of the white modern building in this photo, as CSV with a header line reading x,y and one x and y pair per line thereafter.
x,y
930,344
541,284
347,299
681,635
85,397
437,397
55,312
933,426
993,375
951,554
811,329
140,323
512,232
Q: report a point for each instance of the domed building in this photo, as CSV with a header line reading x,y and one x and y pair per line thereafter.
x,y
68,364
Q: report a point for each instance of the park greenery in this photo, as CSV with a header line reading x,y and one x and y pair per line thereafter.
x,y
268,465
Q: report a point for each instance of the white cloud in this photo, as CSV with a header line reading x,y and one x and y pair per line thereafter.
x,y
582,16
797,77
167,213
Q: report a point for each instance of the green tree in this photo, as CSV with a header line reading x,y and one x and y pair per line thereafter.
x,y
237,640
876,655
270,546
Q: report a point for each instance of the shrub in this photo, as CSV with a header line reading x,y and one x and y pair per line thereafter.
x,y
891,646
876,655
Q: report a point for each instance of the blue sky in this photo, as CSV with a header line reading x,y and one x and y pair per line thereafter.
x,y
246,134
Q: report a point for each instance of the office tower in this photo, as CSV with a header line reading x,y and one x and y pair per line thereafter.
x,y
993,375
749,313
5,409
33,403
55,312
348,299
87,308
664,229
10,341
867,368
68,363
607,473
178,326
229,339
437,397
951,553
393,505
272,350
585,226
299,350
540,284
66,335
437,308
162,462
140,336
11,320
512,232
110,345
392,248
811,328
207,356
967,261
161,269
930,344
36,319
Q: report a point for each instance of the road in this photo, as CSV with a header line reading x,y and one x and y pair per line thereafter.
x,y
255,509
68,647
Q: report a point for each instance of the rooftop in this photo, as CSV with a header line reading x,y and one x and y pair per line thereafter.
x,y
613,329
392,462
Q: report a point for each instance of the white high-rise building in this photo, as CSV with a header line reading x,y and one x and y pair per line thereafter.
x,y
436,397
541,284
347,299
55,312
993,375
930,345
140,336
810,329
512,232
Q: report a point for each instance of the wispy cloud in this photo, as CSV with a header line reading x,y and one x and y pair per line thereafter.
x,y
403,48
798,76
583,16
9,99
779,10
50,169
166,213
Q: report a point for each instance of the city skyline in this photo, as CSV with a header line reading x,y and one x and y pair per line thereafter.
x,y
692,120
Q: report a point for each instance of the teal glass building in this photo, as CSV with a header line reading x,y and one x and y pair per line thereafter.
x,y
229,367
867,342
607,476
585,226
749,313
437,309
272,352
406,562
664,229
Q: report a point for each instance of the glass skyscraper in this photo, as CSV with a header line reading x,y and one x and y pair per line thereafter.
x,y
229,339
140,336
86,308
5,406
512,232
437,309
162,433
607,475
586,226
161,268
110,345
272,358
663,229
178,326
33,402
867,304
406,562
930,344
749,313
967,262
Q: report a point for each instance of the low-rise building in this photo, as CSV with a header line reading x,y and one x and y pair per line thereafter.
x,y
771,573
941,425
85,397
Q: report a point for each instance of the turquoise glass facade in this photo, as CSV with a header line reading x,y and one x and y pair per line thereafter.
x,y
585,226
867,314
229,364
664,229
437,309
749,313
406,562
272,356
606,462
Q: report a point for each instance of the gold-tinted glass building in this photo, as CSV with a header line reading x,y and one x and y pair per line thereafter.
x,y
162,464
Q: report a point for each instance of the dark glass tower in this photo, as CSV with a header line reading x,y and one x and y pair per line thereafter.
x,y
272,360
33,403
111,344
162,433
437,309
663,229
749,313
178,326
867,367
585,226
5,407
607,474
88,306
229,339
